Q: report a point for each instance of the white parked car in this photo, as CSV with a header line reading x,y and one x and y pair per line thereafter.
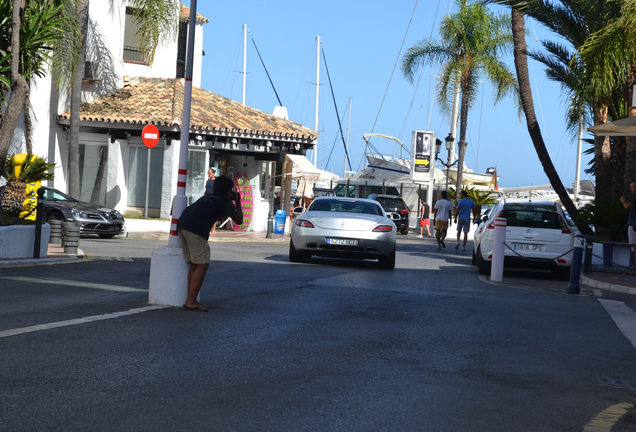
x,y
537,236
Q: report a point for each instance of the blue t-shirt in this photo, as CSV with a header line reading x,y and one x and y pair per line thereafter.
x,y
465,205
201,215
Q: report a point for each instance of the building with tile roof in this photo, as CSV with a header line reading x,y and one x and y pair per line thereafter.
x,y
122,92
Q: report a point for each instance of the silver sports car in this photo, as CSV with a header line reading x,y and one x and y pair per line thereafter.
x,y
344,227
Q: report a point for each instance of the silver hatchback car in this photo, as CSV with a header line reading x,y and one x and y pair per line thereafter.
x,y
344,227
537,236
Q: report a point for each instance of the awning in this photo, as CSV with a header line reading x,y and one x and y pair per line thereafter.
x,y
622,127
305,170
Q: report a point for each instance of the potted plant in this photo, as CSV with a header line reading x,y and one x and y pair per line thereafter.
x,y
23,173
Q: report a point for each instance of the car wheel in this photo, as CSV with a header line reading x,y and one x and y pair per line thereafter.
x,y
405,231
106,236
388,262
483,266
294,255
55,215
563,273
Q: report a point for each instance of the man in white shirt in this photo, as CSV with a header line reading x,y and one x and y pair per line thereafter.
x,y
442,211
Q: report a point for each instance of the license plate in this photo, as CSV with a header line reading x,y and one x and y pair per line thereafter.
x,y
528,247
342,242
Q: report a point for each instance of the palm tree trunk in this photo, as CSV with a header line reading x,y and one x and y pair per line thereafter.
x,y
602,158
76,95
28,123
463,125
18,84
521,66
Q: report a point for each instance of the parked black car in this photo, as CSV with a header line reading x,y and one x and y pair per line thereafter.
x,y
91,218
394,204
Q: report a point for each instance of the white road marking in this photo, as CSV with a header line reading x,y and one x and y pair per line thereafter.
x,y
623,316
70,283
606,419
84,320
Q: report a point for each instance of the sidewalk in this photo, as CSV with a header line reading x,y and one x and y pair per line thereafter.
x,y
613,280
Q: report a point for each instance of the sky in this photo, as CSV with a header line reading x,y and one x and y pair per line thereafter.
x,y
362,41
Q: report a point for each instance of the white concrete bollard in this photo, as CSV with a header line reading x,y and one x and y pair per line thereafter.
x,y
498,250
168,277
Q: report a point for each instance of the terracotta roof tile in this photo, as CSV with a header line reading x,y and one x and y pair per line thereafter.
x,y
160,101
185,16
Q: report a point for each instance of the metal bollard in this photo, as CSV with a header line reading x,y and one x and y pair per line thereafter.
x,y
498,250
70,237
575,271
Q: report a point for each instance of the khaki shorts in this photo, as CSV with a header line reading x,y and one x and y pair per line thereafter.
x,y
441,225
196,249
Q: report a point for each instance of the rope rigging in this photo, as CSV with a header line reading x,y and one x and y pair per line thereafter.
x,y
322,49
266,71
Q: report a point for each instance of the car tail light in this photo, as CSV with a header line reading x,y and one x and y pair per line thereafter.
x,y
304,223
561,261
383,228
404,211
491,225
565,228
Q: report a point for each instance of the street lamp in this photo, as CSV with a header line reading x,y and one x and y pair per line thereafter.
x,y
449,145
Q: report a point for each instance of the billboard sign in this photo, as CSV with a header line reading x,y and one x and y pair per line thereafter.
x,y
422,143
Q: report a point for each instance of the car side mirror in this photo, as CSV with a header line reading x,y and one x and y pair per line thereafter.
x,y
299,210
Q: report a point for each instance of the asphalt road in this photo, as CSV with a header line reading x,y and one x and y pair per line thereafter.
x,y
324,346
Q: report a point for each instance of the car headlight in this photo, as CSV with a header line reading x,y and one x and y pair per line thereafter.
x,y
116,215
78,213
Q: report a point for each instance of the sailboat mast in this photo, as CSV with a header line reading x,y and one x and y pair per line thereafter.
x,y
317,87
344,171
244,58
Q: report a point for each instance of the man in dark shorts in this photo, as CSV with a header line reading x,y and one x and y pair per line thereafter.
x,y
194,227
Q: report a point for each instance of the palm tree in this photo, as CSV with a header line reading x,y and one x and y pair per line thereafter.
x,y
157,22
470,45
521,66
31,34
590,68
610,54
31,169
59,26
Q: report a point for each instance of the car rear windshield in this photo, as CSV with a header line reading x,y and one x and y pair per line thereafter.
x,y
343,206
391,203
539,216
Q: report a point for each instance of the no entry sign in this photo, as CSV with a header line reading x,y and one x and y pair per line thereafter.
x,y
150,135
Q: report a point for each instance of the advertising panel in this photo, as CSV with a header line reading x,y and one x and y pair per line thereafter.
x,y
422,143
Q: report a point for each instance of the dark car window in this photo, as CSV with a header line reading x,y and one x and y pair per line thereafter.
x,y
532,216
391,203
54,195
344,207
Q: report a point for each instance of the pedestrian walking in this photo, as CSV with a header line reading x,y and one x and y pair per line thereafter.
x,y
193,228
462,217
631,221
424,220
442,211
